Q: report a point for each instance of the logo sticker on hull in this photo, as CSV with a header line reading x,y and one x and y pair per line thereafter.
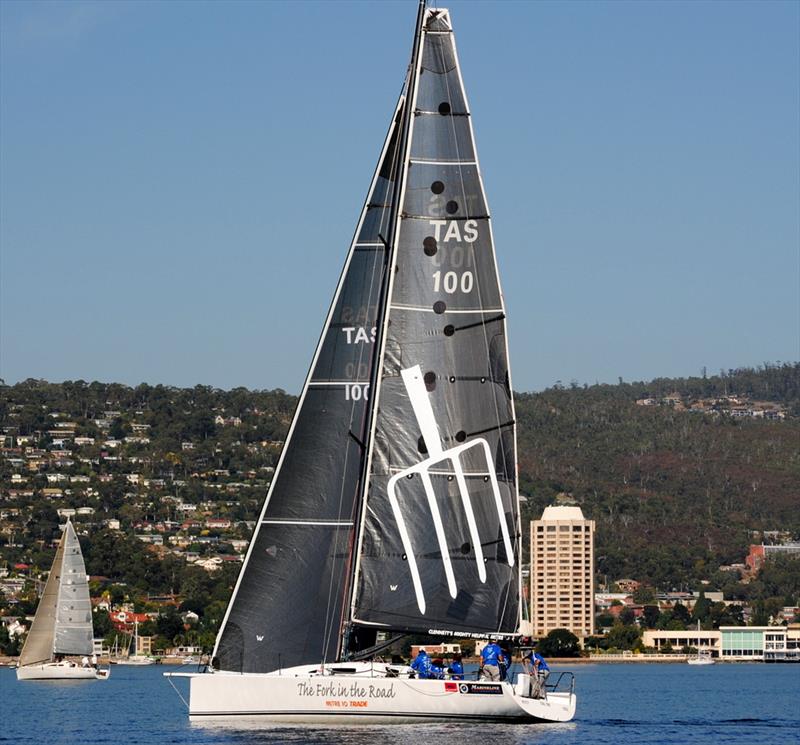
x,y
491,688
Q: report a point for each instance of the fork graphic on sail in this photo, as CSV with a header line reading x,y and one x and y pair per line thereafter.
x,y
420,403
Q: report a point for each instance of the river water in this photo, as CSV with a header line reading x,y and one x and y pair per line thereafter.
x,y
755,704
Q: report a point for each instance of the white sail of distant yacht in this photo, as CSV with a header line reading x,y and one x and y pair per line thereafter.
x,y
61,634
394,506
137,658
702,656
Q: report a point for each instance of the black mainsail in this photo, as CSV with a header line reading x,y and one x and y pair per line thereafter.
x,y
439,544
394,503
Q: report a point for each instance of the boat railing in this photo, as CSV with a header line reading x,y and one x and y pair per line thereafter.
x,y
563,682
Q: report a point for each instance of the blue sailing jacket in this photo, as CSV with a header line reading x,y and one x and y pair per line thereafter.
x,y
456,670
491,654
422,665
536,657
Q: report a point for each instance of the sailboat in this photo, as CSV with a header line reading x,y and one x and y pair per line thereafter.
x,y
394,506
136,658
702,656
62,627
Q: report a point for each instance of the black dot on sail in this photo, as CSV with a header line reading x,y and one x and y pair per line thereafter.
x,y
439,307
452,378
405,557
485,478
429,245
461,436
483,380
430,380
421,446
444,108
465,548
451,207
449,330
437,187
410,476
450,478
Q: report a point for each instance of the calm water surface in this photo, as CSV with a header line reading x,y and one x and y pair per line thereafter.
x,y
631,703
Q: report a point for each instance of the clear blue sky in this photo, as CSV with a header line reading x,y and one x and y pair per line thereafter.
x,y
179,182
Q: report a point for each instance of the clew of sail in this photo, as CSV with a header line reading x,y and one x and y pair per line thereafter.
x,y
300,556
439,544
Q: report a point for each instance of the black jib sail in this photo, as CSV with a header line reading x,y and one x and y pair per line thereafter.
x,y
439,543
289,603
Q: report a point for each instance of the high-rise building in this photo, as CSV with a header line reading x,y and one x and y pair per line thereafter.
x,y
562,572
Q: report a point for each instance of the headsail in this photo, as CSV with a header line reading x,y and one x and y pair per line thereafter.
x,y
439,546
289,603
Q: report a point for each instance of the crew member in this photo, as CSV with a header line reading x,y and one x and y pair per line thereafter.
x,y
538,669
490,661
456,669
422,664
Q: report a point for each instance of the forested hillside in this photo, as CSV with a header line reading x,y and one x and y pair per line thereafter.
x,y
675,492
677,473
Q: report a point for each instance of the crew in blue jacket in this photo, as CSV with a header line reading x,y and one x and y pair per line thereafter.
x,y
422,665
456,669
536,661
490,661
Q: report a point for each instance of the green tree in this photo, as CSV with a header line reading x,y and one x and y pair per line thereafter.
x,y
624,637
644,595
650,616
681,613
702,608
559,643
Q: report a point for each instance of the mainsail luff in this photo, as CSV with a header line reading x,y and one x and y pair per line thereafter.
x,y
441,553
311,552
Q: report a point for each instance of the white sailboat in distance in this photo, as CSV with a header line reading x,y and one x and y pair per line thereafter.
x,y
394,506
701,656
61,634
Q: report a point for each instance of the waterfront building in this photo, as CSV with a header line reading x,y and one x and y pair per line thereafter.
x,y
562,572
734,643
705,640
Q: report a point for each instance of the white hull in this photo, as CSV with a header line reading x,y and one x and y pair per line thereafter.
x,y
134,660
700,661
313,698
60,671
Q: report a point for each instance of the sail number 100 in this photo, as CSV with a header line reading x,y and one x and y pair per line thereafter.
x,y
356,392
451,282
